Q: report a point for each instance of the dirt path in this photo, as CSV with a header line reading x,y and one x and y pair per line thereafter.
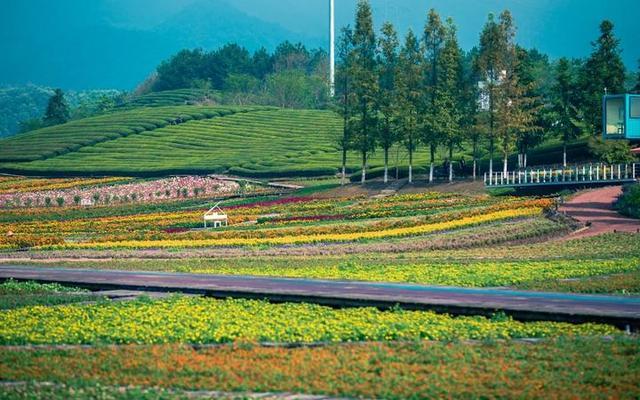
x,y
596,207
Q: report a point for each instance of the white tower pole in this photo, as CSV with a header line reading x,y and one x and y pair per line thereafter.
x,y
332,47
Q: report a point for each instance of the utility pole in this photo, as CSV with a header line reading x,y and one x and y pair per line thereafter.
x,y
332,47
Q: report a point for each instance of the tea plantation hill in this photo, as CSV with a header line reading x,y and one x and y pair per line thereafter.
x,y
181,132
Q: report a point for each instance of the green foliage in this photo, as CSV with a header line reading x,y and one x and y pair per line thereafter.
x,y
611,151
14,294
629,202
57,111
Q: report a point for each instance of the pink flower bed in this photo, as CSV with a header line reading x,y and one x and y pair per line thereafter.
x,y
143,191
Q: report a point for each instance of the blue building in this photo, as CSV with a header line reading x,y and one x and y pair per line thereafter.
x,y
621,116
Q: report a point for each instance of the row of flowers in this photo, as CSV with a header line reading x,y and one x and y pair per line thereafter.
x,y
142,191
172,226
13,185
204,320
310,238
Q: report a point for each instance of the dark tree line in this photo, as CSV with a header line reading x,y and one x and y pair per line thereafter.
x,y
424,91
290,76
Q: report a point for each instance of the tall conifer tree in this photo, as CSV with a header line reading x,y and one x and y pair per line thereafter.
x,y
365,83
57,109
448,96
344,94
434,38
491,64
388,68
603,71
566,122
409,96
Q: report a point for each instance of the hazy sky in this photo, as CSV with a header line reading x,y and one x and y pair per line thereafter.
x,y
40,39
558,27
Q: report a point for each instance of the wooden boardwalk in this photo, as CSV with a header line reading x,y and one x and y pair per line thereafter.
x,y
620,311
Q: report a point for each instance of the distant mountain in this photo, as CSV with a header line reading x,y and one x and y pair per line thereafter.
x,y
69,51
213,23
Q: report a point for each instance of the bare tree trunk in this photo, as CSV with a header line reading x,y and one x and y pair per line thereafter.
x,y
364,167
475,169
475,159
410,165
491,148
525,160
343,179
386,165
450,163
505,164
431,166
564,154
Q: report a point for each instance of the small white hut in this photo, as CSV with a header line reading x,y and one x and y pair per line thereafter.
x,y
216,216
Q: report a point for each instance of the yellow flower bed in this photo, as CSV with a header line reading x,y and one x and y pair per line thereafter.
x,y
203,320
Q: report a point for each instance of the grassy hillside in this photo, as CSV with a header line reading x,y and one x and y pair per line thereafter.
x,y
187,139
61,139
257,143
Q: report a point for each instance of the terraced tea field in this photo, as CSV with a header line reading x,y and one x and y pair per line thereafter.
x,y
170,98
252,143
61,139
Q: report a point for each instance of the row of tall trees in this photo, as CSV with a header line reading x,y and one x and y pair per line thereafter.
x,y
423,90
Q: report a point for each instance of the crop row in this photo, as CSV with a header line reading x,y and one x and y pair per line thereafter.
x,y
75,135
169,98
265,140
551,369
202,320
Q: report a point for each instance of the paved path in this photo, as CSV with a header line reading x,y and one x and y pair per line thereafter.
x,y
596,207
621,311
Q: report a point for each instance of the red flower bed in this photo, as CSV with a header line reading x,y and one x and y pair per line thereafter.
x,y
309,218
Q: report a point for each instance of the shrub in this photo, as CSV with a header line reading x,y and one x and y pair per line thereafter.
x,y
629,202
60,201
76,200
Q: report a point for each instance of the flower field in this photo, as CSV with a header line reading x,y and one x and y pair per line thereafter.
x,y
239,346
103,192
417,370
198,320
355,219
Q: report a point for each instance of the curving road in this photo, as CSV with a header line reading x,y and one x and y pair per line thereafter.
x,y
621,311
